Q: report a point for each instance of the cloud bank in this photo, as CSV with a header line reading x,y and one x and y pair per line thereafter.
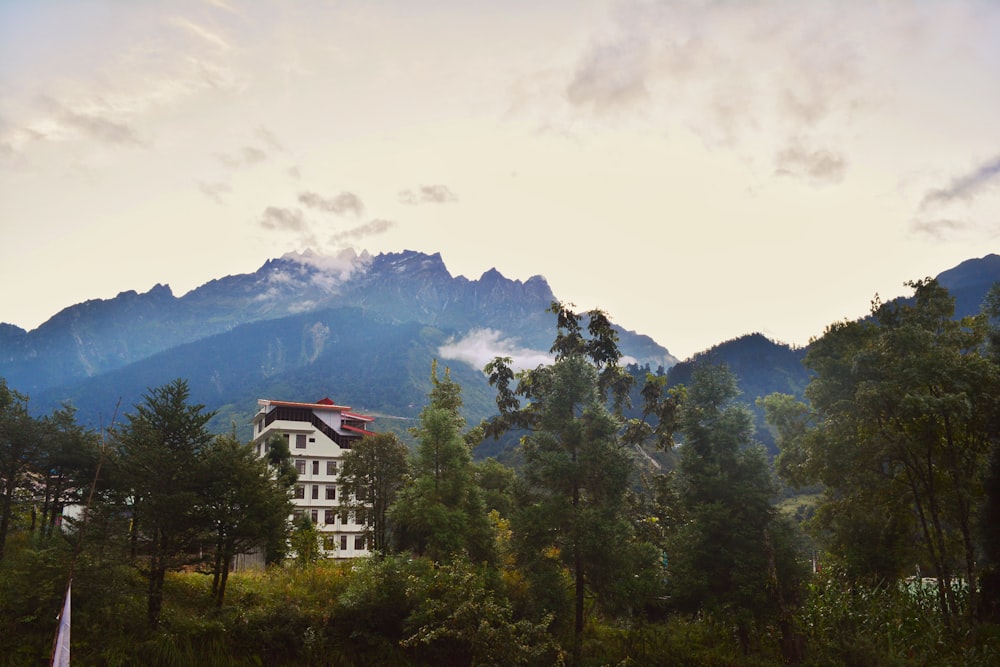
x,y
344,202
480,346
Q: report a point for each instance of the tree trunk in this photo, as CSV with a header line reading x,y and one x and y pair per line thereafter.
x,y
5,512
133,536
157,573
791,641
223,579
578,612
216,573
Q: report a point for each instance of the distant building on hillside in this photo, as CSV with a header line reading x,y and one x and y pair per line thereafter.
x,y
317,434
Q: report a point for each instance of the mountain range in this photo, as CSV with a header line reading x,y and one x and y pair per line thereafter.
x,y
362,329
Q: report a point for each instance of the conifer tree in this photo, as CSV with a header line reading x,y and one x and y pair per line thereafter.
x,y
160,453
725,555
442,512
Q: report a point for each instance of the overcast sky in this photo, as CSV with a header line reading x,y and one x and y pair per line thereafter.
x,y
699,170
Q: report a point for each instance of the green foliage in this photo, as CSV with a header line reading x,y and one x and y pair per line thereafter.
x,y
903,414
161,471
460,619
571,504
20,447
246,507
496,483
730,557
371,475
847,623
761,367
306,542
32,582
441,513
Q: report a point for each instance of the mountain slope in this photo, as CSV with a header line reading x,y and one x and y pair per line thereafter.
x,y
970,281
357,358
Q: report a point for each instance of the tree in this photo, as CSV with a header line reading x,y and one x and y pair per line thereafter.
x,y
67,460
160,453
246,505
371,474
496,483
458,618
19,451
905,413
576,471
306,541
989,512
442,513
727,557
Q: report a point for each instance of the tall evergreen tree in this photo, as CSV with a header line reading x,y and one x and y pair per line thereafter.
x,y
724,556
160,454
442,512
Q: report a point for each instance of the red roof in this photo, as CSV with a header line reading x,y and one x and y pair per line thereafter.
x,y
363,418
321,405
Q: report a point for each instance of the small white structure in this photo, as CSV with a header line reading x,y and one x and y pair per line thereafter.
x,y
317,434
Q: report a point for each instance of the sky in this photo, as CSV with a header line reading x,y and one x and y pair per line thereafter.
x,y
699,170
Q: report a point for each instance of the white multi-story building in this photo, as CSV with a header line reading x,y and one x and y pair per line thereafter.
x,y
318,434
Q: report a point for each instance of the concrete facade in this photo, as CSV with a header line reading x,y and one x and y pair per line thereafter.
x,y
318,434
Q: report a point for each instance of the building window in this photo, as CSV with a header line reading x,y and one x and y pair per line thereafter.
x,y
315,467
329,542
315,491
300,491
343,542
314,516
300,441
312,439
297,514
331,492
300,466
329,517
331,467
359,542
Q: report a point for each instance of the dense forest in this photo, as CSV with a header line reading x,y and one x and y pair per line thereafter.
x,y
638,524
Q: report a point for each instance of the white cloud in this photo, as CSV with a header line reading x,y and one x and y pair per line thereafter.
x,y
340,265
480,346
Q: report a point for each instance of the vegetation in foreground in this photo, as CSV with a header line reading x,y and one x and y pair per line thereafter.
x,y
582,556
